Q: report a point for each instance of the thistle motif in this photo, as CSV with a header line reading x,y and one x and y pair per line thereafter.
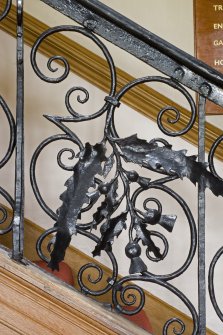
x,y
93,162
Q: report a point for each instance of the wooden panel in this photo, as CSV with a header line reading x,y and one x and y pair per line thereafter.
x,y
209,38
6,329
31,304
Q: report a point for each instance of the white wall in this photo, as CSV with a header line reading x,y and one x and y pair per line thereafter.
x,y
166,18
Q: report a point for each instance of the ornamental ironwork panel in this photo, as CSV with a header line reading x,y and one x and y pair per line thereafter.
x,y
102,178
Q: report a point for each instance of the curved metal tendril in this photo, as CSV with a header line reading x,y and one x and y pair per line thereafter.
x,y
35,157
76,116
119,287
171,83
110,281
11,123
213,149
4,212
211,283
59,159
129,300
4,215
166,247
193,232
79,99
128,297
6,9
171,322
40,241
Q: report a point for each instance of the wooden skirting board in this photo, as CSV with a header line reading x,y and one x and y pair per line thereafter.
x,y
157,310
94,69
34,303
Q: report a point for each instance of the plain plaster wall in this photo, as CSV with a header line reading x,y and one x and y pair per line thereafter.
x,y
171,19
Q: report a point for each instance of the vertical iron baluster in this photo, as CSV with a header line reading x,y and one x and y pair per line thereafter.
x,y
19,164
201,221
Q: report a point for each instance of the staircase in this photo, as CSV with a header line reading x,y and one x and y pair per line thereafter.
x,y
93,182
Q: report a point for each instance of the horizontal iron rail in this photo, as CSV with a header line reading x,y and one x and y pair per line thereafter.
x,y
144,45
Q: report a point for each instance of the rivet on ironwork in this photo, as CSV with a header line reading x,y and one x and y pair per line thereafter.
x,y
90,24
205,89
113,101
178,73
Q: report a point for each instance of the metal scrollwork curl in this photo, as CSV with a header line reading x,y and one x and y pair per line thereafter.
x,y
173,321
39,244
91,280
34,160
59,158
3,218
79,99
4,212
129,299
11,123
173,84
62,60
158,185
211,283
6,9
101,177
75,116
110,281
120,288
3,161
166,247
211,155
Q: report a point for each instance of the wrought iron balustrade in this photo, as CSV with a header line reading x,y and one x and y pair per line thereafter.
x,y
108,174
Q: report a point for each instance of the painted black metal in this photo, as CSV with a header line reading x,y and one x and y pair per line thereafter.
x,y
211,285
6,9
201,221
18,220
153,40
219,253
108,174
156,155
6,157
144,45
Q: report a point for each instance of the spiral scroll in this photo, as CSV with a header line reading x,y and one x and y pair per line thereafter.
x,y
213,149
3,210
173,84
4,213
211,283
11,123
75,116
6,9
100,180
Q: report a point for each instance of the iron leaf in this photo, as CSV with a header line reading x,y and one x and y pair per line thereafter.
x,y
108,165
108,206
75,196
163,158
143,234
109,230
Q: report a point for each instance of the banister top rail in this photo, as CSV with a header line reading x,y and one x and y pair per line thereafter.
x,y
144,45
155,41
